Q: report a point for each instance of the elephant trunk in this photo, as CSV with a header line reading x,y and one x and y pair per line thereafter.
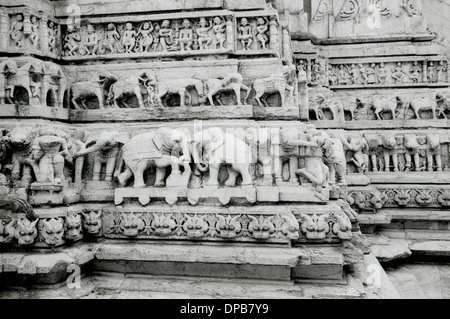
x,y
197,158
92,149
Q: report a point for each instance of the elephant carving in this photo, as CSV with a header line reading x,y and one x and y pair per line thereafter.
x,y
373,151
159,148
411,152
390,152
8,69
434,153
213,147
20,141
106,148
96,87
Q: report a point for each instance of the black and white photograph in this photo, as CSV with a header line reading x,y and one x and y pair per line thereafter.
x,y
216,156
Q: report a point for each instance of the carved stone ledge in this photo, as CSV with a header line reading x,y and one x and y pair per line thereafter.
x,y
390,86
98,191
146,195
164,113
384,124
33,111
149,55
212,224
433,196
54,194
427,178
276,113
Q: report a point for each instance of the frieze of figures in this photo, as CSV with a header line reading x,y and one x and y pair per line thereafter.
x,y
21,230
30,81
166,35
378,72
24,29
426,107
395,152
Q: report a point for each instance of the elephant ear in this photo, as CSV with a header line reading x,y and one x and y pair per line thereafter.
x,y
158,141
91,142
122,138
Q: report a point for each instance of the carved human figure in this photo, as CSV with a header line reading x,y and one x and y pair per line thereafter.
x,y
219,29
91,41
72,41
166,36
261,29
50,152
186,36
343,75
398,74
415,72
364,73
34,35
354,72
112,38
129,38
317,72
441,72
52,33
16,31
382,73
370,72
145,36
431,72
245,34
204,39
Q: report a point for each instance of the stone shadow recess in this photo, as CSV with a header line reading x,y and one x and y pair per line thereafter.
x,y
297,142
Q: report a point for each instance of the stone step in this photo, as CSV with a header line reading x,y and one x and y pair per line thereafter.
x,y
221,261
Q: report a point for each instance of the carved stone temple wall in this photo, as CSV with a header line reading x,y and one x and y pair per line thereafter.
x,y
292,141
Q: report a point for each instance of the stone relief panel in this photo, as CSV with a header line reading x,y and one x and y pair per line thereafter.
x,y
430,71
29,81
339,19
216,32
415,151
173,90
30,31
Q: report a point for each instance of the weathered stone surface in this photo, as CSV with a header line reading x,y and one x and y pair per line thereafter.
x,y
391,249
431,248
90,6
44,264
